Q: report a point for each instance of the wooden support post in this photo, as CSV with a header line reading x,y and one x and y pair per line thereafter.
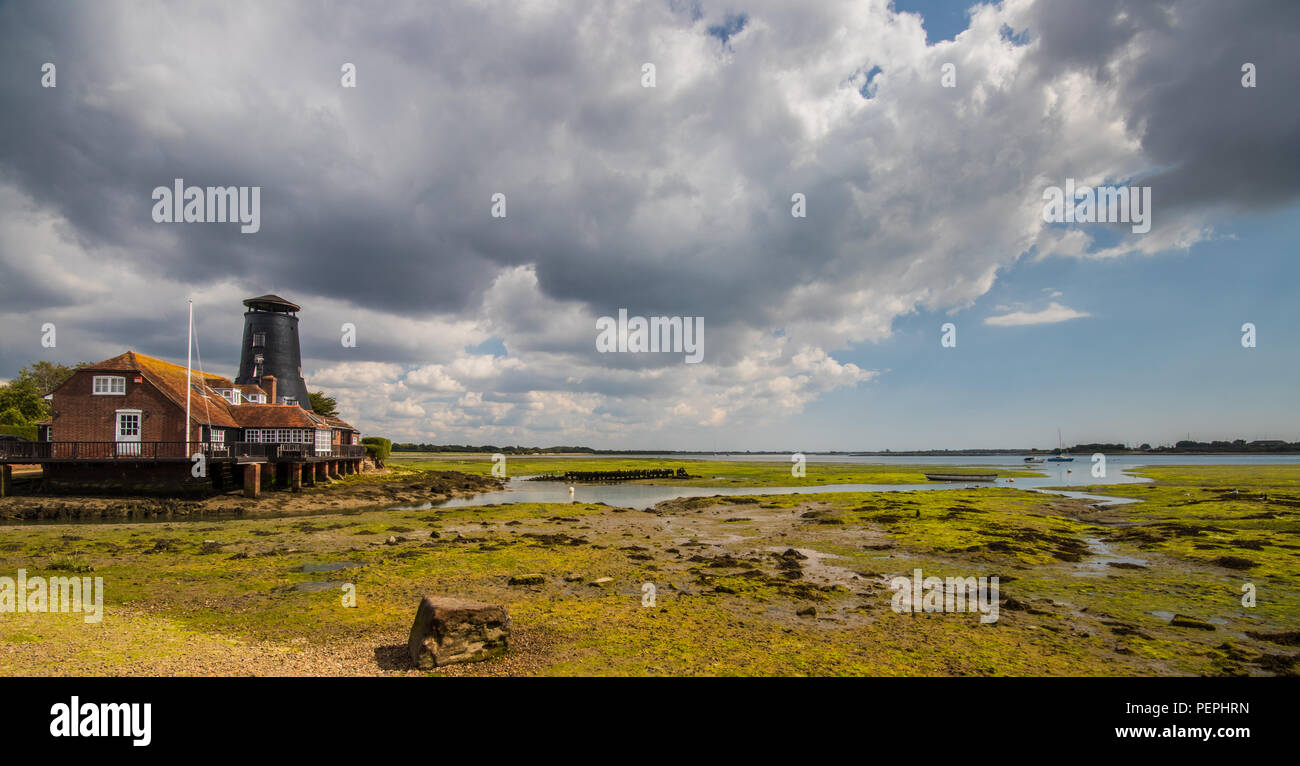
x,y
295,476
252,480
6,480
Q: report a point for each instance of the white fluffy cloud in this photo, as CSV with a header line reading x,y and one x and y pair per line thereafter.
x,y
1055,312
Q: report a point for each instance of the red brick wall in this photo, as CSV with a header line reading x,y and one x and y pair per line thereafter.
x,y
86,417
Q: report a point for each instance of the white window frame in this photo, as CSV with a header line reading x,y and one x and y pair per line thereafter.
x,y
325,445
113,385
217,437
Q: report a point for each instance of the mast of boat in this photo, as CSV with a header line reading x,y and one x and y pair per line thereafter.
x,y
189,347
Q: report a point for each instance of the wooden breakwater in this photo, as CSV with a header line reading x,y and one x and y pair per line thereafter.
x,y
620,475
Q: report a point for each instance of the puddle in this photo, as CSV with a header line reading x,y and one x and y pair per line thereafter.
x,y
1167,616
716,541
1103,556
815,567
317,586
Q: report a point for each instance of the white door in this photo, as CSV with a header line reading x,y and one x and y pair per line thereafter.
x,y
128,432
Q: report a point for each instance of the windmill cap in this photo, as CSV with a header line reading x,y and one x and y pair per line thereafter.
x,y
270,302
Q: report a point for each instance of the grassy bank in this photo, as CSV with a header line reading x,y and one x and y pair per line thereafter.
x,y
1086,591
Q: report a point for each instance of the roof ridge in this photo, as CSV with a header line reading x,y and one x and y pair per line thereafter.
x,y
135,355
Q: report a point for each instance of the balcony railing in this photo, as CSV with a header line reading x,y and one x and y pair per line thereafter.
x,y
17,451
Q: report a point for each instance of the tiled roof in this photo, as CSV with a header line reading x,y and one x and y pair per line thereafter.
x,y
206,405
338,423
275,416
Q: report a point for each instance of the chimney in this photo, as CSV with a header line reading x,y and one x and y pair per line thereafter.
x,y
268,385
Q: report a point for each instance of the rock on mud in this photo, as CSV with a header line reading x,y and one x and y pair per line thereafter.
x,y
1183,621
448,630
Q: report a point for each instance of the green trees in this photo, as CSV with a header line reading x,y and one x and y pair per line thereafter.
x,y
324,405
22,400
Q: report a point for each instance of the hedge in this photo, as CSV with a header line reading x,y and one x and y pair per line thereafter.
x,y
378,448
26,432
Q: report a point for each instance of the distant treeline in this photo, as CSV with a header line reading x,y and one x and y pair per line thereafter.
x,y
406,447
1240,445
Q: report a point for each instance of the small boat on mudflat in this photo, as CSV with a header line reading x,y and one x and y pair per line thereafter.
x,y
961,476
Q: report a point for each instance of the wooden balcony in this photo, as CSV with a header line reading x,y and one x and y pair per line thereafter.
x,y
61,452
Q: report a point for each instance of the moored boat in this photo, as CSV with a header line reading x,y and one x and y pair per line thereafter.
x,y
1062,456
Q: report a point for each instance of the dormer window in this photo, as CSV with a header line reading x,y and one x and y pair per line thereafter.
x,y
255,398
231,395
109,385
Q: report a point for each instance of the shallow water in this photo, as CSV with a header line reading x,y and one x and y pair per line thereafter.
x,y
643,496
975,461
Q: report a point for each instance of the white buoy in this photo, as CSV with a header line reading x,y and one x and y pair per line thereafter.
x,y
570,491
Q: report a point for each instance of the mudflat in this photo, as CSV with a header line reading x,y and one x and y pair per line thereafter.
x,y
1199,578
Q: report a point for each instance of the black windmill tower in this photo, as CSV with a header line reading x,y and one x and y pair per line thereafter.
x,y
270,347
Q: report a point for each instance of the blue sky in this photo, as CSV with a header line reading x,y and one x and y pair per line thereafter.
x,y
1160,355
944,19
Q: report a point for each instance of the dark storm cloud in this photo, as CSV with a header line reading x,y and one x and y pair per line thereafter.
x,y
1212,141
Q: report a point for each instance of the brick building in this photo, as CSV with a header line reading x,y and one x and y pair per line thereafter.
x,y
120,423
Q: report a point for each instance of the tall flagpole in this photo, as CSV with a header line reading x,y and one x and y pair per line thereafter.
x,y
189,345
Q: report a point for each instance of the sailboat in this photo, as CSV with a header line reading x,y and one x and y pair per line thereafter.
x,y
1062,456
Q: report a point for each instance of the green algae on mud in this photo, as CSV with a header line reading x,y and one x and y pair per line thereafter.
x,y
228,597
1222,518
704,473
